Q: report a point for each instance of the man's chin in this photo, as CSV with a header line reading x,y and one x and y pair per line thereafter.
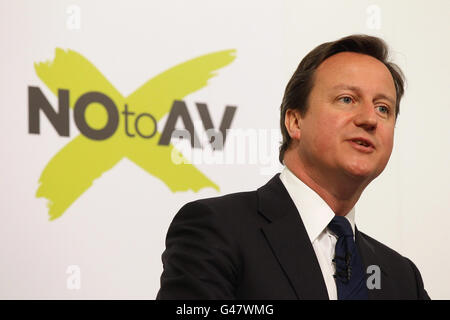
x,y
361,172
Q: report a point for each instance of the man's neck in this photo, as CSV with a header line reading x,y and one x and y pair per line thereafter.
x,y
340,193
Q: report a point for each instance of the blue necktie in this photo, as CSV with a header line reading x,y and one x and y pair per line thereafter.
x,y
350,276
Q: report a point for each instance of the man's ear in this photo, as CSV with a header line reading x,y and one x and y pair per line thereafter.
x,y
293,121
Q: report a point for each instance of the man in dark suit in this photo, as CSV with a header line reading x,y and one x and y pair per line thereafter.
x,y
295,237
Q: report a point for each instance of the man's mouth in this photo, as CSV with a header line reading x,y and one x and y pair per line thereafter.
x,y
363,144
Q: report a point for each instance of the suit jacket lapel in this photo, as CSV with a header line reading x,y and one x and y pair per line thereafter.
x,y
289,241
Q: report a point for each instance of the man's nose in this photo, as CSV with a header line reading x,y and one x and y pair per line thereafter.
x,y
366,117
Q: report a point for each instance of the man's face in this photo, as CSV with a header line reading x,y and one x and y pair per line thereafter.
x,y
349,126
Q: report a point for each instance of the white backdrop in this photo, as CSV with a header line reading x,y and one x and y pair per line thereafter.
x,y
108,242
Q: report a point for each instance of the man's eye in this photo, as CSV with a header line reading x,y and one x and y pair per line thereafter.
x,y
383,109
346,99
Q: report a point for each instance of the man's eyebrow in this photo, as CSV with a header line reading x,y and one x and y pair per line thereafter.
x,y
358,89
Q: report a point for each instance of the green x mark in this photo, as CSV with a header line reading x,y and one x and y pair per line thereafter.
x,y
75,167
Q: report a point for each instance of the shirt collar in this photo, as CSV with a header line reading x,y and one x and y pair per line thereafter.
x,y
314,211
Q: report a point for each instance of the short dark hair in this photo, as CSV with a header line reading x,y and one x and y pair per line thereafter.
x,y
300,85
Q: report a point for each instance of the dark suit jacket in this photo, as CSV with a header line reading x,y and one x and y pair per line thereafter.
x,y
253,245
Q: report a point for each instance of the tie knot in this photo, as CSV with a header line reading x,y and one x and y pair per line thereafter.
x,y
341,227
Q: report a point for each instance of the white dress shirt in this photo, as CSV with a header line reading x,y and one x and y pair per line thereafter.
x,y
316,215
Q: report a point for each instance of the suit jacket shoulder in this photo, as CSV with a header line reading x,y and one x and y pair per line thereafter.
x,y
202,257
